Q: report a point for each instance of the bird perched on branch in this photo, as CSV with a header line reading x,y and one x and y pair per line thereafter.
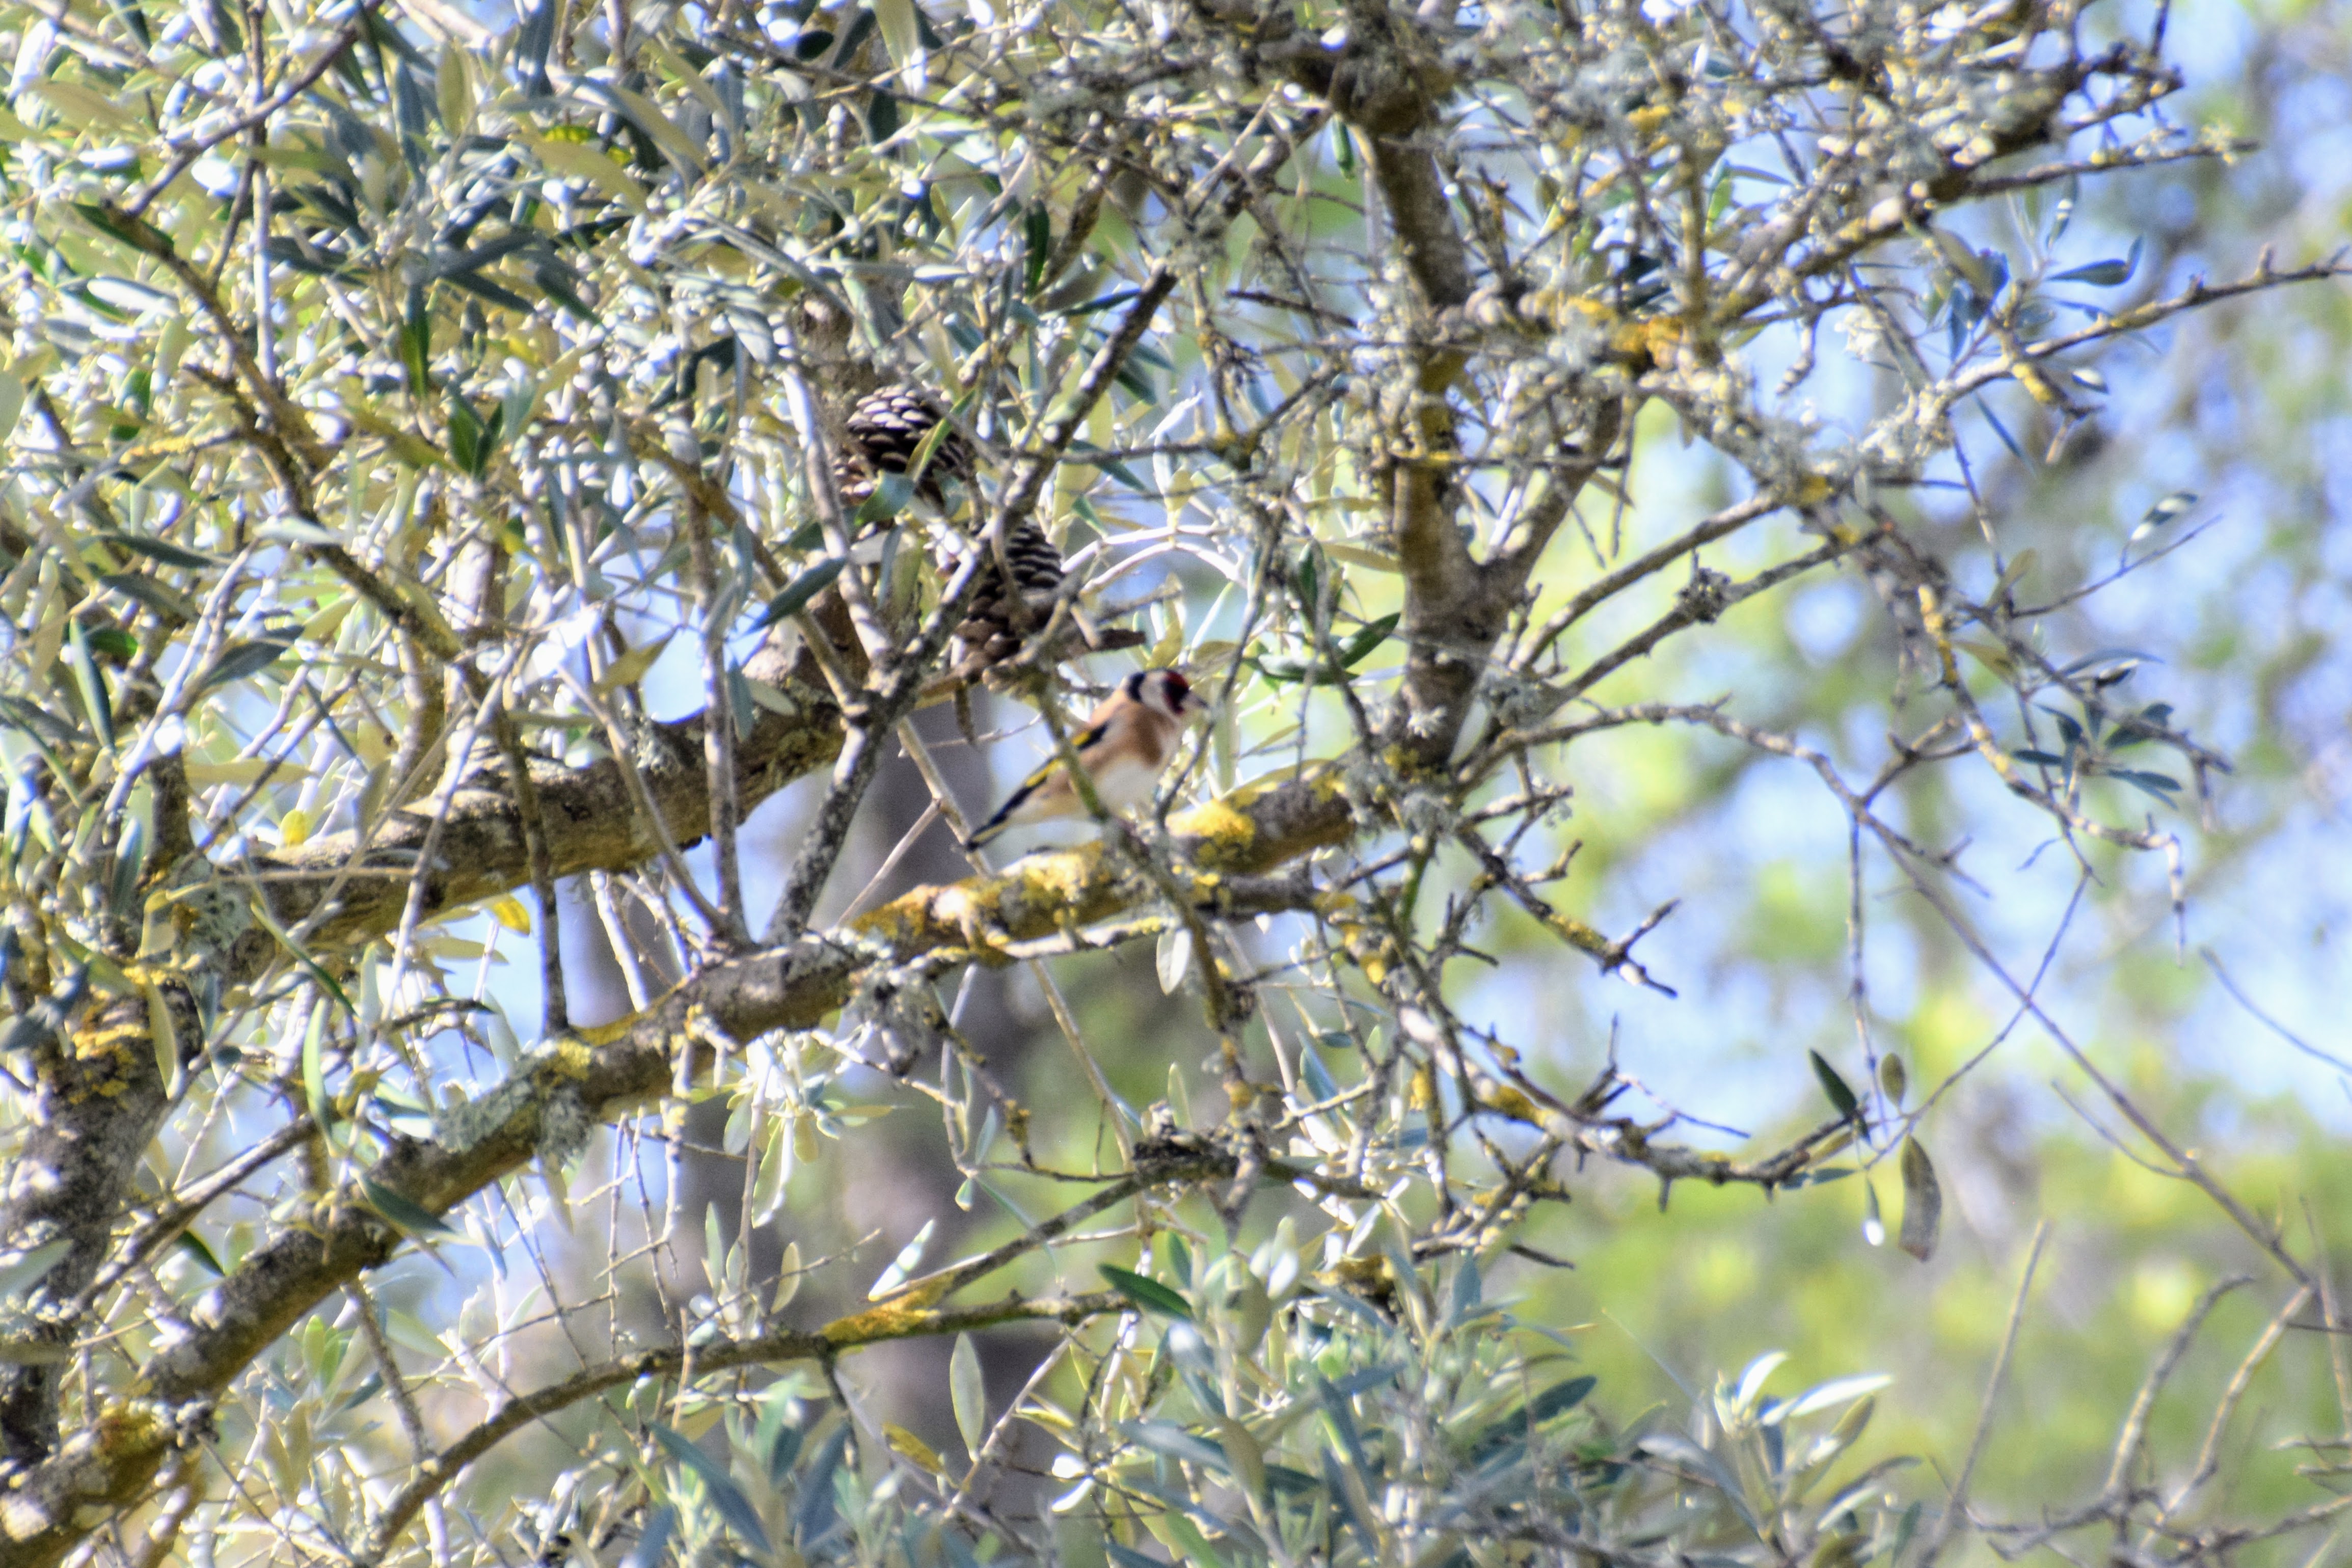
x,y
885,435
1127,741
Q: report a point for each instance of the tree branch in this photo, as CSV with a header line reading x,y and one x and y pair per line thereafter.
x,y
591,824
767,1349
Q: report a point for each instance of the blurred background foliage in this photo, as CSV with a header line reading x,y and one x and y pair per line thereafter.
x,y
2246,407
2251,629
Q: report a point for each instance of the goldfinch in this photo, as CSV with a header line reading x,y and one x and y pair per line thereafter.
x,y
1127,741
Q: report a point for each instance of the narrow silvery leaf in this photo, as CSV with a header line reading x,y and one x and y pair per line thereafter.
x,y
909,1255
28,1272
1175,959
788,1277
968,1391
1922,1201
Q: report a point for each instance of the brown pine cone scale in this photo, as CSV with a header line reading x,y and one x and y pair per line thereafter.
x,y
883,434
993,629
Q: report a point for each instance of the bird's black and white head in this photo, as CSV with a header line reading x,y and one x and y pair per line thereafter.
x,y
1165,692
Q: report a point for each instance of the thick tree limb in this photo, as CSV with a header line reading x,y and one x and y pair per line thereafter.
x,y
101,1099
604,1073
590,820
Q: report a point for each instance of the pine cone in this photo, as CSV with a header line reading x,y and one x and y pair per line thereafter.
x,y
994,625
882,435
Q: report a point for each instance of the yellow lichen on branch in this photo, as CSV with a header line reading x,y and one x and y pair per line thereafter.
x,y
891,1321
1054,890
896,1321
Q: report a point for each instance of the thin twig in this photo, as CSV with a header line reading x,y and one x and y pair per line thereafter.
x,y
1956,1506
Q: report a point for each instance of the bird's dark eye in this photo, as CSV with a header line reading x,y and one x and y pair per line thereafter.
x,y
1179,688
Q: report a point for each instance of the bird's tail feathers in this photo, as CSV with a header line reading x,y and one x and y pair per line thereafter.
x,y
996,825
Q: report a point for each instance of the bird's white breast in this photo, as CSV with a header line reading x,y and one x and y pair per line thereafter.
x,y
1123,782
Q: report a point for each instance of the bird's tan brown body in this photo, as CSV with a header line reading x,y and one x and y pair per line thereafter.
x,y
1127,742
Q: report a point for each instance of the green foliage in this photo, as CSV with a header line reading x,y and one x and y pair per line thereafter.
x,y
1562,440
1328,1429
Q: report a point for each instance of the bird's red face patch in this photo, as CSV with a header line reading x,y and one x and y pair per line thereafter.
x,y
1174,696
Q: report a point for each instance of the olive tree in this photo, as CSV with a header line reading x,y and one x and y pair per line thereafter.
x,y
408,406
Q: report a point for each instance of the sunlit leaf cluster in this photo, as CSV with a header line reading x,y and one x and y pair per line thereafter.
x,y
424,557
